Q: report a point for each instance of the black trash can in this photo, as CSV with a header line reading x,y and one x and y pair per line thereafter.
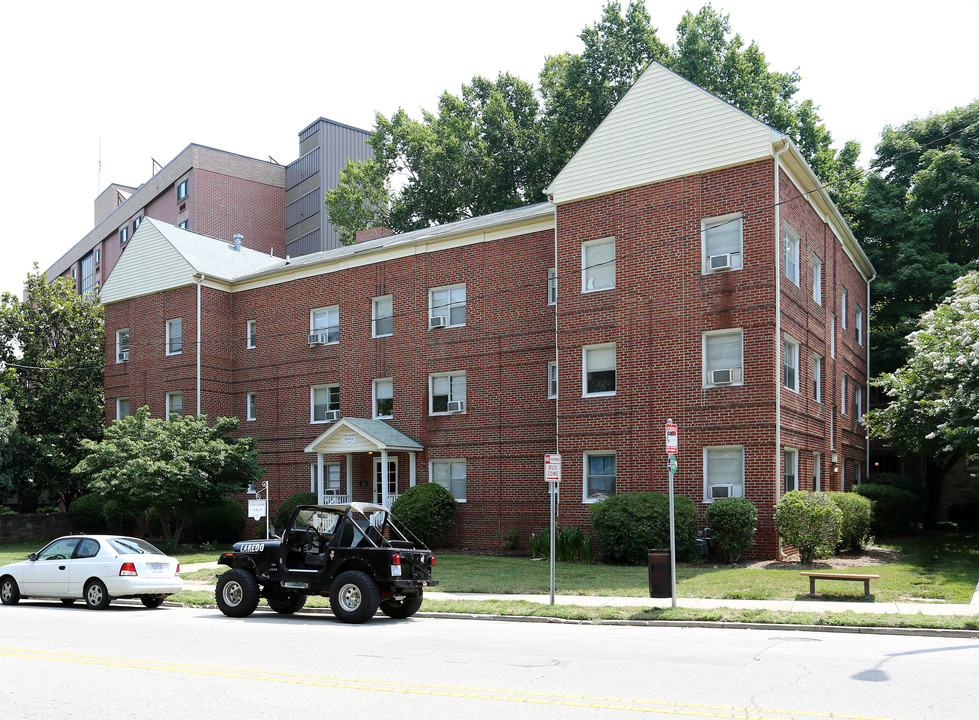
x,y
659,573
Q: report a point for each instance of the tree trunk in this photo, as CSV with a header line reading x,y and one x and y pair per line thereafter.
x,y
935,473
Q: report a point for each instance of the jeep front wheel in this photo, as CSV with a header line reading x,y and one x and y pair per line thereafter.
x,y
401,609
354,597
237,593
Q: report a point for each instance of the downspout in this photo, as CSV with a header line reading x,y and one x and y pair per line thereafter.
x,y
866,437
200,279
778,329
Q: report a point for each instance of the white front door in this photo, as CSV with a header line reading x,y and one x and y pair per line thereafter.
x,y
392,479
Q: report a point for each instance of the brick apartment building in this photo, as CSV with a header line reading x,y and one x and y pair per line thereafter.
x,y
687,265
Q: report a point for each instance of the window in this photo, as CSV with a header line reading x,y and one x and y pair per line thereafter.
x,y
817,472
790,363
98,255
384,398
331,481
552,286
791,472
721,240
136,222
182,190
598,264
251,334
447,393
599,480
122,345
817,378
598,363
817,280
175,343
324,325
832,335
251,406
324,401
447,306
123,235
843,298
723,472
122,408
88,274
183,224
382,315
175,404
857,472
857,402
451,474
791,255
857,320
552,379
723,357
843,395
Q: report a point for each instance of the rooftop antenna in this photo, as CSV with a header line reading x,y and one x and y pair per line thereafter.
x,y
98,179
155,166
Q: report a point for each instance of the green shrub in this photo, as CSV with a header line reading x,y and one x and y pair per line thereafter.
x,y
629,525
855,521
511,540
119,519
732,525
428,511
895,510
4,510
808,521
86,514
222,522
902,482
287,508
570,545
965,514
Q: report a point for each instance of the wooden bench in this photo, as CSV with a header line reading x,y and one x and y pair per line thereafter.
x,y
813,576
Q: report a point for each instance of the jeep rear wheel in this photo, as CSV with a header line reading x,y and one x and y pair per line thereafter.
x,y
401,609
354,597
237,593
285,601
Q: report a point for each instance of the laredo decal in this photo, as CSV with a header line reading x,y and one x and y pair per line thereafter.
x,y
253,547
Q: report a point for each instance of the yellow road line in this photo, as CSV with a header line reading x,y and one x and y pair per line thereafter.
x,y
512,696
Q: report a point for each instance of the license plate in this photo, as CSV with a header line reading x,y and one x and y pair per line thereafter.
x,y
158,568
395,571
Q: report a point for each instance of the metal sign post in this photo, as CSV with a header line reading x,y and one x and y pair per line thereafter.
x,y
671,453
552,475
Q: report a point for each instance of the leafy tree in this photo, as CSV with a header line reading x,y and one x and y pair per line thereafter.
x,y
8,427
934,399
174,467
810,522
362,199
52,342
919,220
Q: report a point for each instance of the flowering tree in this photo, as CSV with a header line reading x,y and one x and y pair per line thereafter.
x,y
934,406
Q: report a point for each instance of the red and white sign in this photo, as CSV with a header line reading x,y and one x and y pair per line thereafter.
x,y
671,438
552,468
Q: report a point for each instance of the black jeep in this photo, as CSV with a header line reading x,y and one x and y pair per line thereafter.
x,y
354,554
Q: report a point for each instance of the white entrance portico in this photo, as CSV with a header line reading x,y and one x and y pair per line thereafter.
x,y
349,436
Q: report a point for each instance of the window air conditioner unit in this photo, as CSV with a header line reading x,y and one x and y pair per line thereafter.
x,y
439,321
725,376
721,491
456,406
721,262
332,415
123,356
318,338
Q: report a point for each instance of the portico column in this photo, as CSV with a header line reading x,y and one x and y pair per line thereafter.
x,y
350,478
319,478
412,469
384,478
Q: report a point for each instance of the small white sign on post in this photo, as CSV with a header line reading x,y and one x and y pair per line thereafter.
x,y
256,509
671,438
552,468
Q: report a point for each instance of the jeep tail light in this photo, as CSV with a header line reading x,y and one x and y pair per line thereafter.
x,y
433,561
128,569
396,560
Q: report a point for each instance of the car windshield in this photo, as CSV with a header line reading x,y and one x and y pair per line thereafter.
x,y
325,521
132,546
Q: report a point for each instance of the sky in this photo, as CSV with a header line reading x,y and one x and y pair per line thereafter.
x,y
92,92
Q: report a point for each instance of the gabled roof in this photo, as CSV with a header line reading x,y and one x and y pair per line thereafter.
x,y
349,435
161,256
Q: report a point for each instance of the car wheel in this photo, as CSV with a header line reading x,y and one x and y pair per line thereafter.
x,y
401,609
150,601
354,597
286,602
237,593
96,596
9,592
67,601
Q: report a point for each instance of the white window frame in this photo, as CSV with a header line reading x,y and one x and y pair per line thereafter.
x,y
832,335
817,377
251,406
736,480
251,334
377,488
790,254
122,347
817,279
457,391
857,472
790,360
119,402
552,286
737,374
136,221
174,339
452,483
591,268
326,320
183,189
377,318
375,396
587,496
448,307
585,350
790,469
124,234
817,472
732,222
169,404
843,399
844,295
857,402
329,402
331,481
552,386
858,323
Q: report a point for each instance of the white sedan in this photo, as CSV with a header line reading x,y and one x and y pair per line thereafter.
x,y
96,568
